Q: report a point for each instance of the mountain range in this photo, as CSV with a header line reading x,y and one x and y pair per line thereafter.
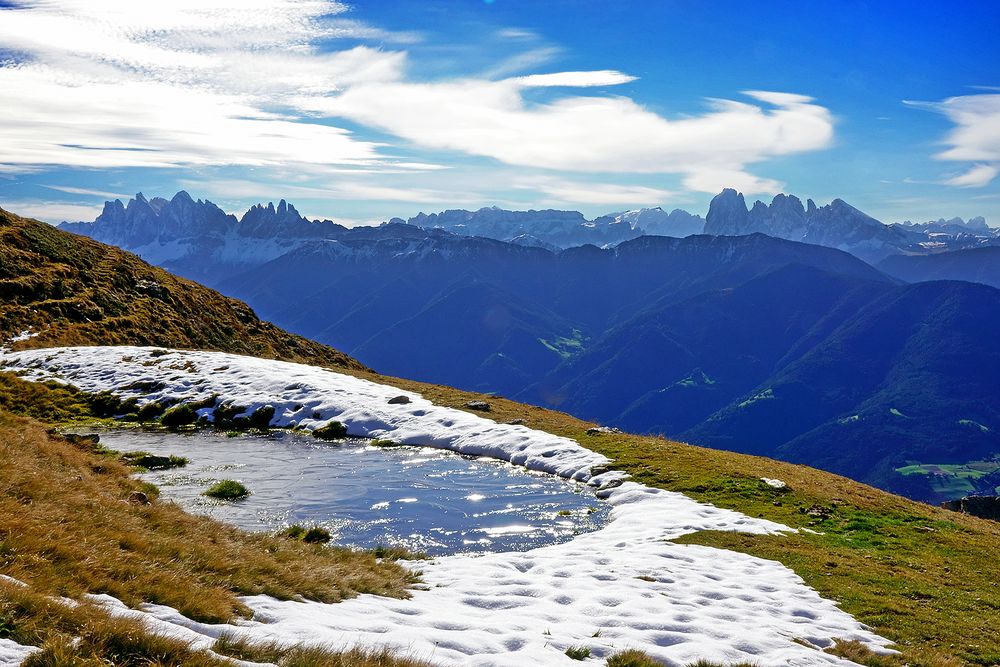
x,y
184,231
739,339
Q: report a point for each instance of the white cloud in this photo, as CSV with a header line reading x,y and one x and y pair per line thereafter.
x,y
51,211
588,134
85,191
517,34
975,137
562,191
574,79
350,190
108,83
976,177
523,61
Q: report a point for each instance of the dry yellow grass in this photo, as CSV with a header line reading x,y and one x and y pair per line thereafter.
x,y
67,527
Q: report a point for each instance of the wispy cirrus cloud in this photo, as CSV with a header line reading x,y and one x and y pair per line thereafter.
x,y
560,191
974,139
84,191
100,83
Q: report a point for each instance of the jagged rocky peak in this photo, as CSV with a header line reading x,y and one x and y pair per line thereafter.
x,y
837,225
269,221
113,211
788,205
727,214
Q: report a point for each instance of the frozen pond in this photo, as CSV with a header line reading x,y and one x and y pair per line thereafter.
x,y
423,499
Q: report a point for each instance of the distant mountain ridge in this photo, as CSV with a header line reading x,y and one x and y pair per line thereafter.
x,y
182,231
562,229
978,265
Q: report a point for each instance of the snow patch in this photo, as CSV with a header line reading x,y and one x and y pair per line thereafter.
x,y
12,653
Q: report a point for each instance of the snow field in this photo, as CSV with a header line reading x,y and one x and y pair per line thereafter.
x,y
624,586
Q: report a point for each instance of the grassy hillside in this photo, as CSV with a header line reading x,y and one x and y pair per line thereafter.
x,y
919,575
71,290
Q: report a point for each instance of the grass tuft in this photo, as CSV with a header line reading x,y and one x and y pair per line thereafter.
x,y
307,656
227,489
179,416
631,658
152,461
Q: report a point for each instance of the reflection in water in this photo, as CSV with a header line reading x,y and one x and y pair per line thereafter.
x,y
419,498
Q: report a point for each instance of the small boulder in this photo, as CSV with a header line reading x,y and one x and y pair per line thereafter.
x,y
482,406
82,439
399,400
138,498
516,422
599,430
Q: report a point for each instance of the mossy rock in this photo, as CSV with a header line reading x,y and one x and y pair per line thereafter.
x,y
178,416
152,461
261,417
150,412
224,416
332,431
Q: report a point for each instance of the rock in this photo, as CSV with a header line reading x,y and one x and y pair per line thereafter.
x,y
482,406
599,430
604,491
818,512
138,498
151,288
774,483
399,400
836,225
516,422
985,507
78,439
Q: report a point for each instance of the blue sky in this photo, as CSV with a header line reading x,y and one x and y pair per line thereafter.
x,y
363,111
